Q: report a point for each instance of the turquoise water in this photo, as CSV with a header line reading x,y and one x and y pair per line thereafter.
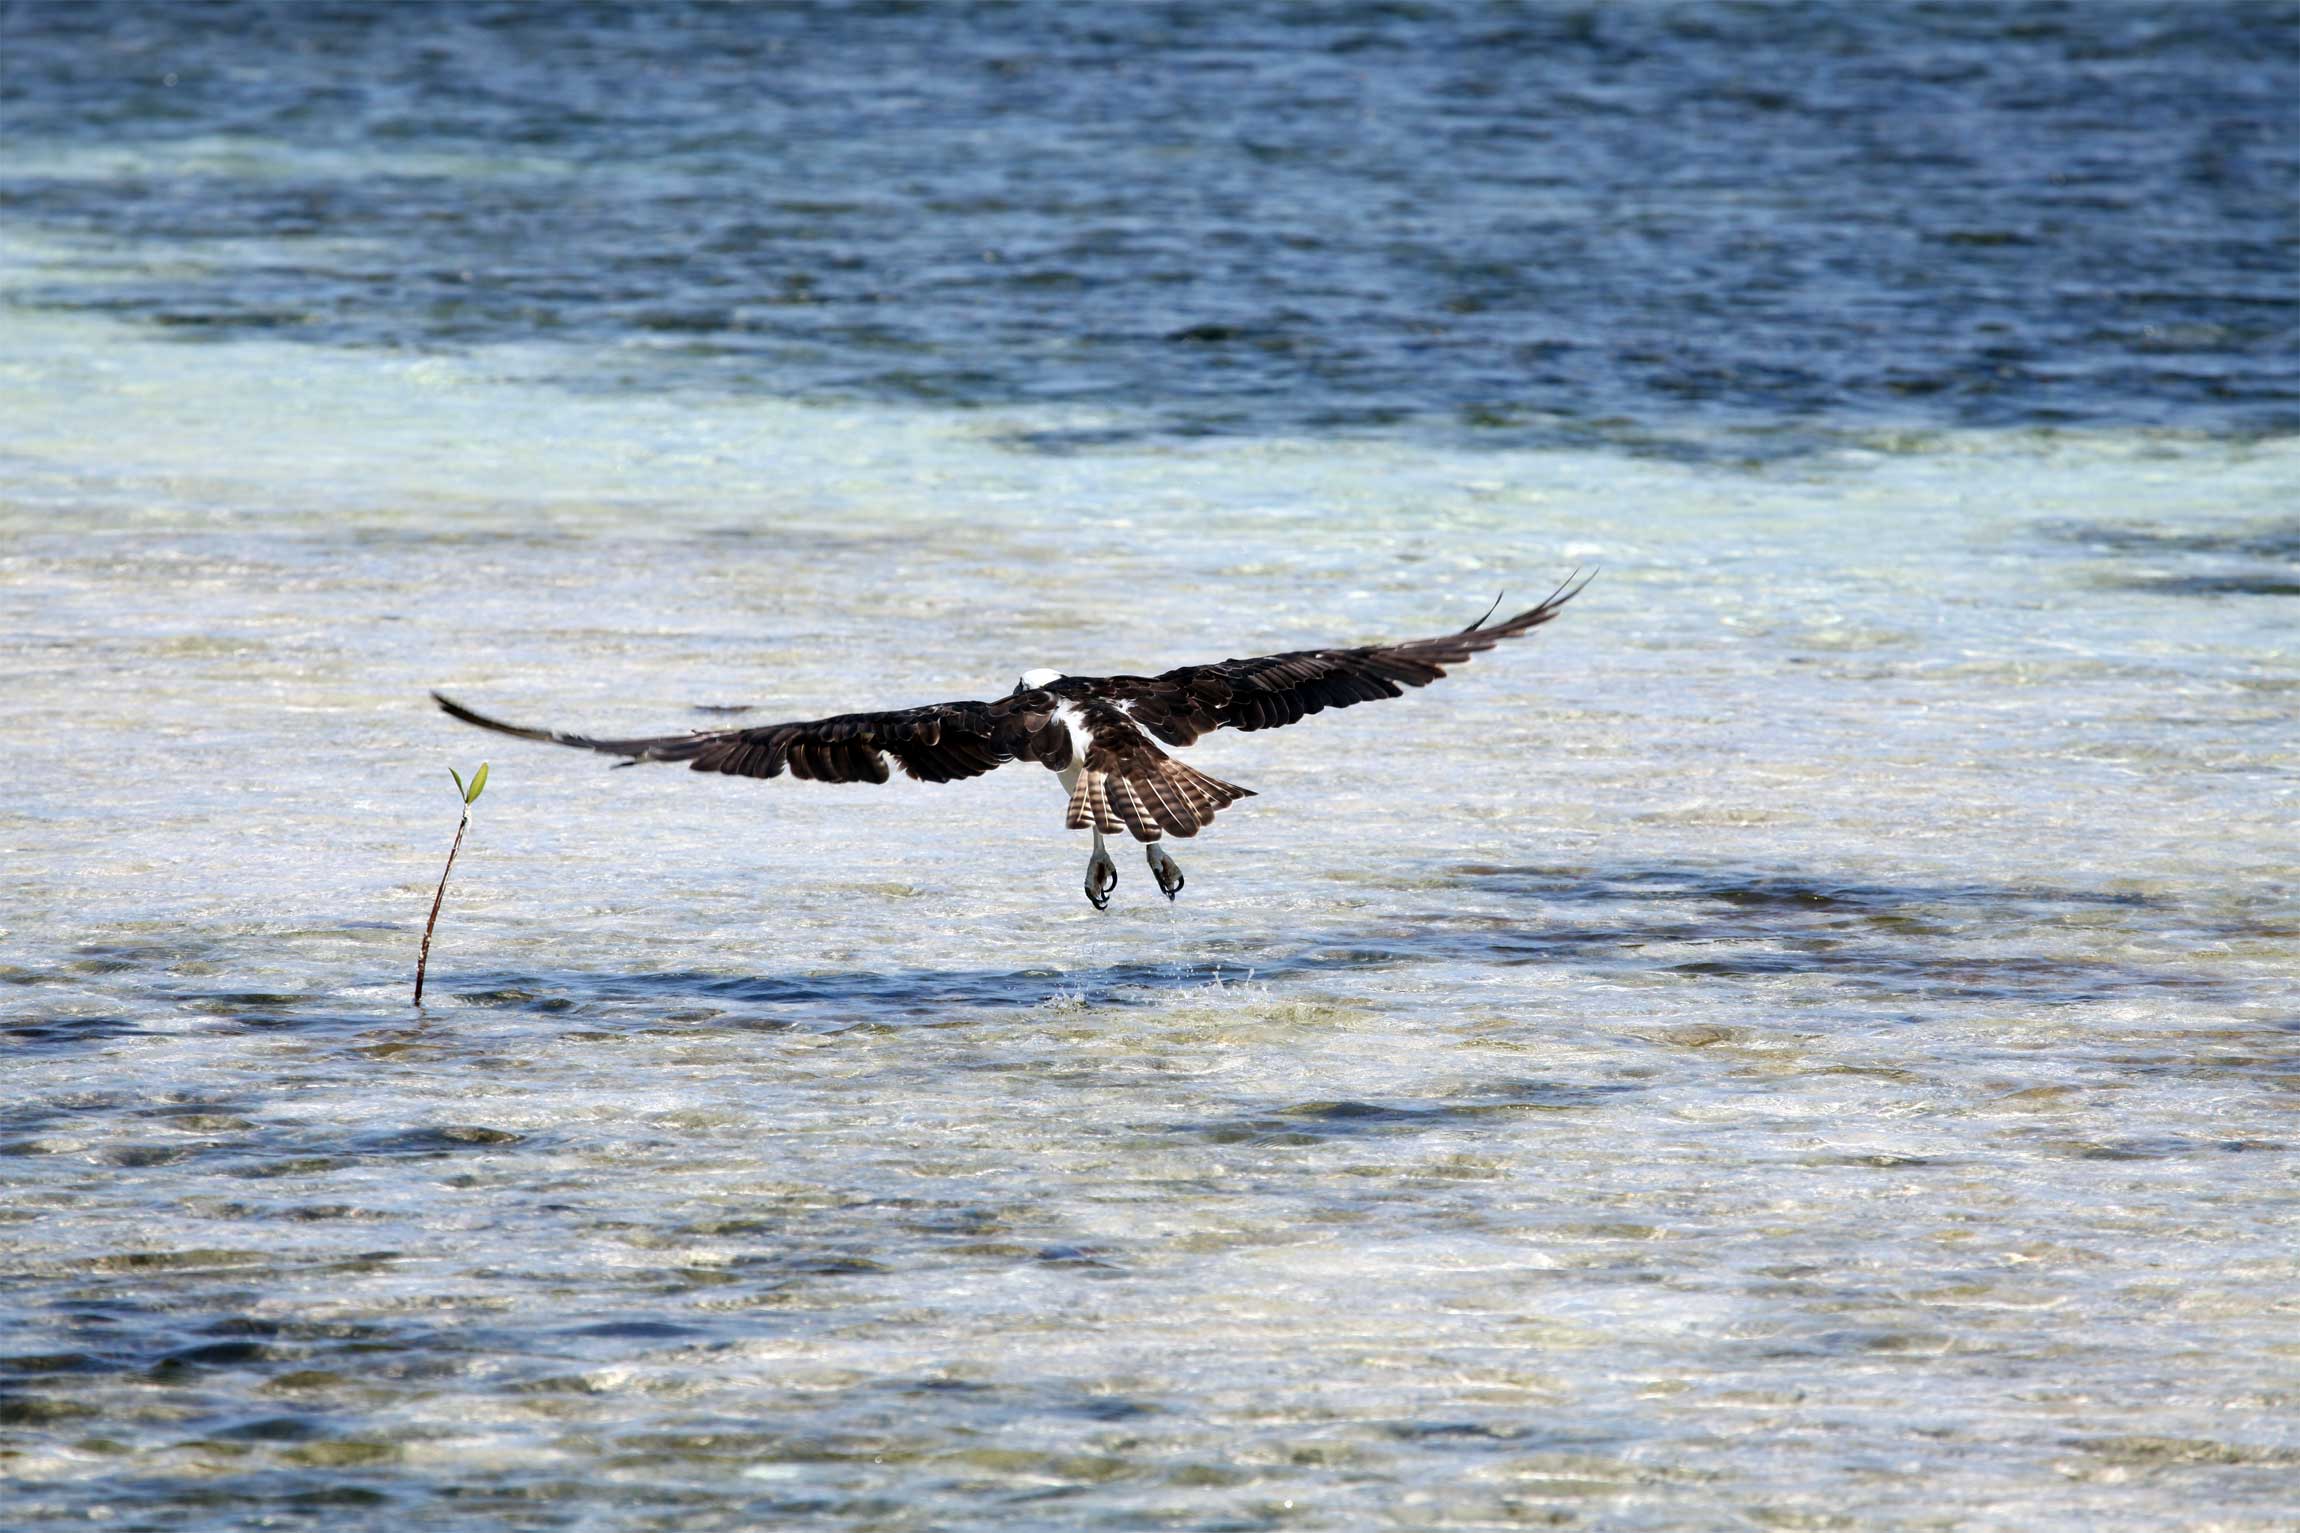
x,y
1806,1040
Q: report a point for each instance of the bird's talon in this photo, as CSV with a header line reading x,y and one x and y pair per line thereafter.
x,y
1168,872
1101,878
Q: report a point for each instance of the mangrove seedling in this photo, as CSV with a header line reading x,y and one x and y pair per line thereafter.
x,y
470,796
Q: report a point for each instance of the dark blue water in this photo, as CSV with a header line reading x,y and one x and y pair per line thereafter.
x,y
1804,1042
1662,228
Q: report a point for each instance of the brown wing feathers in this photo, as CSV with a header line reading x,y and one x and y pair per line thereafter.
x,y
1125,780
1276,690
935,744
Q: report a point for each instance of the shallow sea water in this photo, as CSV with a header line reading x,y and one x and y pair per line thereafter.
x,y
1807,1040
1808,1036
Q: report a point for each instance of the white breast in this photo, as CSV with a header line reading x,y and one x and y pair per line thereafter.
x,y
1073,718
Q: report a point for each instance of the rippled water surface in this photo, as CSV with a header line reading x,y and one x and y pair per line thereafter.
x,y
1536,224
1805,1041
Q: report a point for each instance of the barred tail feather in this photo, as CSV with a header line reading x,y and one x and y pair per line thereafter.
x,y
1155,799
1098,799
1081,813
1208,795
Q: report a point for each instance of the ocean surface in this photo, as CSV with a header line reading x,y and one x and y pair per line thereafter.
x,y
1809,1040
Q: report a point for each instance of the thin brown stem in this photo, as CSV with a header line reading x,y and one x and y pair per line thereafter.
x,y
424,958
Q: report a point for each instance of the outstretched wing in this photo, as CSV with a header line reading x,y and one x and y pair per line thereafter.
x,y
937,743
1273,690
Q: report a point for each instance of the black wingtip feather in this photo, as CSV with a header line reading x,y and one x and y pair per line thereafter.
x,y
456,710
1489,612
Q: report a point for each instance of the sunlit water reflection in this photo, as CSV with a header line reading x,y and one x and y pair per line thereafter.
x,y
1808,1035
1804,1041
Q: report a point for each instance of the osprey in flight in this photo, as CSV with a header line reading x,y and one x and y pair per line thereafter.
x,y
1095,731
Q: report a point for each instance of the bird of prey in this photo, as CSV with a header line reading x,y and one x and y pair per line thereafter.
x,y
1101,734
